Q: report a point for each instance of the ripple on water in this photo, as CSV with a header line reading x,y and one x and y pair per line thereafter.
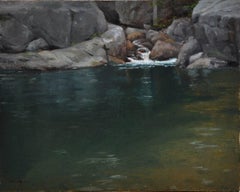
x,y
207,182
107,159
204,146
118,177
201,168
200,145
207,129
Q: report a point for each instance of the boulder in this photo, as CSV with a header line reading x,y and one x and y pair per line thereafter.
x,y
115,41
87,21
201,63
14,36
180,29
38,44
207,62
217,28
154,37
129,30
151,34
86,54
134,13
188,49
135,35
196,57
163,50
47,23
143,43
59,23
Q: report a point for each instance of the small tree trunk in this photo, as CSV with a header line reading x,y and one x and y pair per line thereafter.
x,y
155,10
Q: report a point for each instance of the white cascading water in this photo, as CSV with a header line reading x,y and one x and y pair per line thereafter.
x,y
144,54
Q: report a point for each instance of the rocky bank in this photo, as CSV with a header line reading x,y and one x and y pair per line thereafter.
x,y
69,35
216,25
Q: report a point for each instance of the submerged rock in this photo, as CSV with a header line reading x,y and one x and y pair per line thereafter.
x,y
207,62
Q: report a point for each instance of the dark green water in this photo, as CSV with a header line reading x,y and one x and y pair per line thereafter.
x,y
112,129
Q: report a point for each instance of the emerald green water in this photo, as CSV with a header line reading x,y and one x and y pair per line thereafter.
x,y
120,129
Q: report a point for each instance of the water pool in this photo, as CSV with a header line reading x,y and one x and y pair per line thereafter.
x,y
113,128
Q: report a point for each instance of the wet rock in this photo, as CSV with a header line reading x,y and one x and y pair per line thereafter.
x,y
195,57
129,30
116,60
207,62
38,44
201,63
135,35
188,49
180,29
130,46
165,50
154,36
150,34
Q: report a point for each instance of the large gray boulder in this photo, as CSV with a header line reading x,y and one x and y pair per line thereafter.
x,y
115,41
134,13
14,36
190,48
86,54
89,53
180,29
217,28
59,23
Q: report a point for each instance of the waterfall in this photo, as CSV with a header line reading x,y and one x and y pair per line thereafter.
x,y
143,53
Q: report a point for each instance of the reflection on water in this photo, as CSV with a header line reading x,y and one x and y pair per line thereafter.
x,y
119,129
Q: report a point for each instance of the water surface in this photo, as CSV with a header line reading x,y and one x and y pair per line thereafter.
x,y
113,128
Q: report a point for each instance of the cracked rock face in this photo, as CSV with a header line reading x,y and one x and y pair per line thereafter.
x,y
60,24
217,28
